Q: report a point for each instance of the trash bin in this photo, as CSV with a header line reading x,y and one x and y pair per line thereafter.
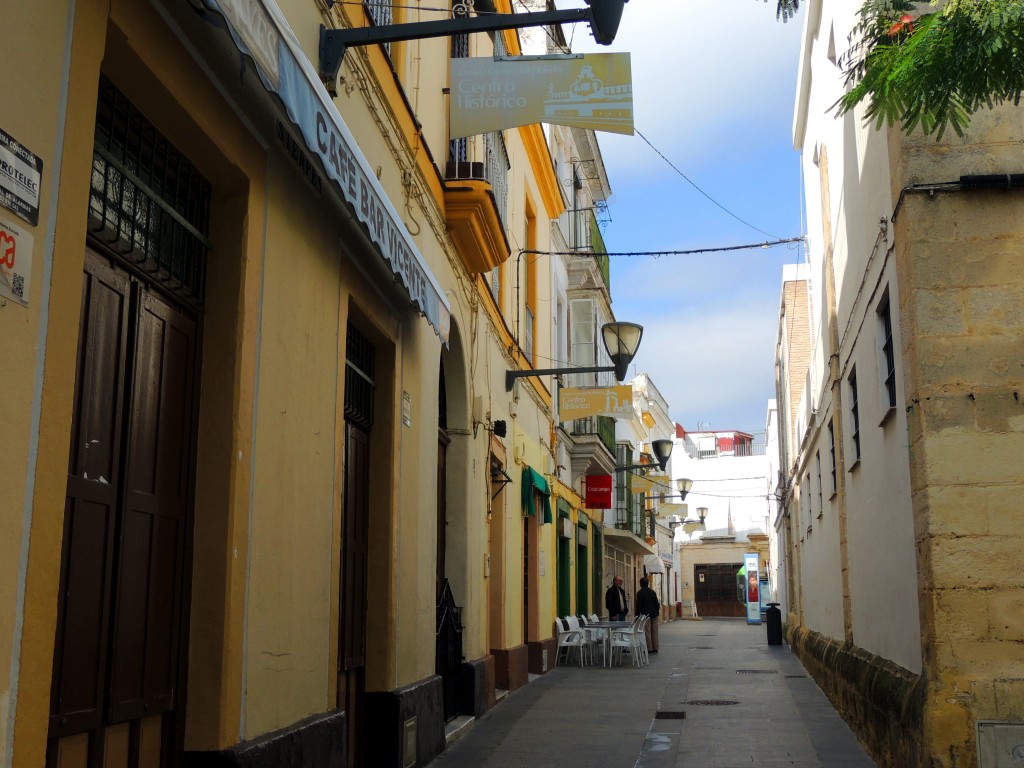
x,y
773,620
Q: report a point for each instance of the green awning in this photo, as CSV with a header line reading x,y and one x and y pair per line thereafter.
x,y
534,481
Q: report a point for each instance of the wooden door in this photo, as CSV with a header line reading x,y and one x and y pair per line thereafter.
x,y
127,508
355,546
442,509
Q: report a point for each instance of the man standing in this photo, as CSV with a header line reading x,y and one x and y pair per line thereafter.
x,y
615,601
647,605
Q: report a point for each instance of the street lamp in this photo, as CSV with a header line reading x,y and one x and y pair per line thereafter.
x,y
662,450
683,485
620,339
603,16
689,526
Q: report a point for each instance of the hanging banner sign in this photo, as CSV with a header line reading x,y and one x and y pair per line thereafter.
x,y
599,492
580,402
593,91
639,483
752,588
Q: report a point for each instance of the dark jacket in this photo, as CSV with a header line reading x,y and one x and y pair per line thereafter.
x,y
647,603
612,598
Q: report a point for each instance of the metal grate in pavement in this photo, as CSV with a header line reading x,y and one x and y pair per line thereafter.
x,y
756,672
711,702
669,715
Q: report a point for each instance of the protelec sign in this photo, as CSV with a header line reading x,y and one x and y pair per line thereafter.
x,y
598,492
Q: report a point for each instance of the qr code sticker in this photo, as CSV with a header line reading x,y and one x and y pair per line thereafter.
x,y
18,285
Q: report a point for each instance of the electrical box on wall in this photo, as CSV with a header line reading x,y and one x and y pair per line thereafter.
x,y
409,743
1000,744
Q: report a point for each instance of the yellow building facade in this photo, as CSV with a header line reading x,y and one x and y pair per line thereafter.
x,y
254,351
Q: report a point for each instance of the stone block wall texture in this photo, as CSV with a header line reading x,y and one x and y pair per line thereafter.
x,y
960,265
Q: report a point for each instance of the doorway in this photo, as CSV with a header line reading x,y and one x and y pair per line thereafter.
x,y
360,359
116,695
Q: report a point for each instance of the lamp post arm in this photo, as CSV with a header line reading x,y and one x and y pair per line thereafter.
x,y
334,42
511,376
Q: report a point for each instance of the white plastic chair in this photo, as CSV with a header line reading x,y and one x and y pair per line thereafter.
x,y
625,640
574,624
569,638
640,639
594,635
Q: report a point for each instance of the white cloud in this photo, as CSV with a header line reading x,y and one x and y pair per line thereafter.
x,y
713,366
704,74
713,85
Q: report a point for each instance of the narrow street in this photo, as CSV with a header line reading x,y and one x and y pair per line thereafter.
x,y
716,696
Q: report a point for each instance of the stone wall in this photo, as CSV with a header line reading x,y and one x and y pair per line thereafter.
x,y
881,701
960,262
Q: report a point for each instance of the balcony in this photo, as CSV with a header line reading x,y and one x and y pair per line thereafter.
x,y
593,448
626,519
718,450
584,234
476,200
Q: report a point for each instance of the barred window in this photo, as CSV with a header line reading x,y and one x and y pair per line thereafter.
x,y
854,414
146,200
832,450
821,495
888,355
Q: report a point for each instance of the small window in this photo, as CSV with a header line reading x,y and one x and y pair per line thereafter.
x,y
804,511
832,450
854,414
888,354
821,500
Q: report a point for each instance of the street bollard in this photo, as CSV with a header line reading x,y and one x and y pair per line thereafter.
x,y
773,620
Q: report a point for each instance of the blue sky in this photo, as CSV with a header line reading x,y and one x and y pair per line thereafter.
x,y
713,87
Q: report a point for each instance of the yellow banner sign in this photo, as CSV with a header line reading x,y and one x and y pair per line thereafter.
x,y
641,483
580,402
594,91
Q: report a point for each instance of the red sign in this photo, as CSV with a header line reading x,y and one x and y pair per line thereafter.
x,y
599,492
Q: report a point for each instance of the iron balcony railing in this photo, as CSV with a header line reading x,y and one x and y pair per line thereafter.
x,y
602,426
628,519
482,158
695,451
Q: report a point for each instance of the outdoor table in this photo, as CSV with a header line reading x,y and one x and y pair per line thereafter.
x,y
608,626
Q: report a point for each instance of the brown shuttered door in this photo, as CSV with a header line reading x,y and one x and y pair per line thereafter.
x,y
90,508
128,500
147,604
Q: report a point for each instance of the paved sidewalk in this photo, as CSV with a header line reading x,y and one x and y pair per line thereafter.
x,y
717,696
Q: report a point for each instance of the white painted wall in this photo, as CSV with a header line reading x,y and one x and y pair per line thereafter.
x,y
883,581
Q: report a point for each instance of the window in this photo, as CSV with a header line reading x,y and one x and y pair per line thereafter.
x,y
803,495
821,489
888,356
148,198
583,329
854,414
832,450
380,14
623,487
532,259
